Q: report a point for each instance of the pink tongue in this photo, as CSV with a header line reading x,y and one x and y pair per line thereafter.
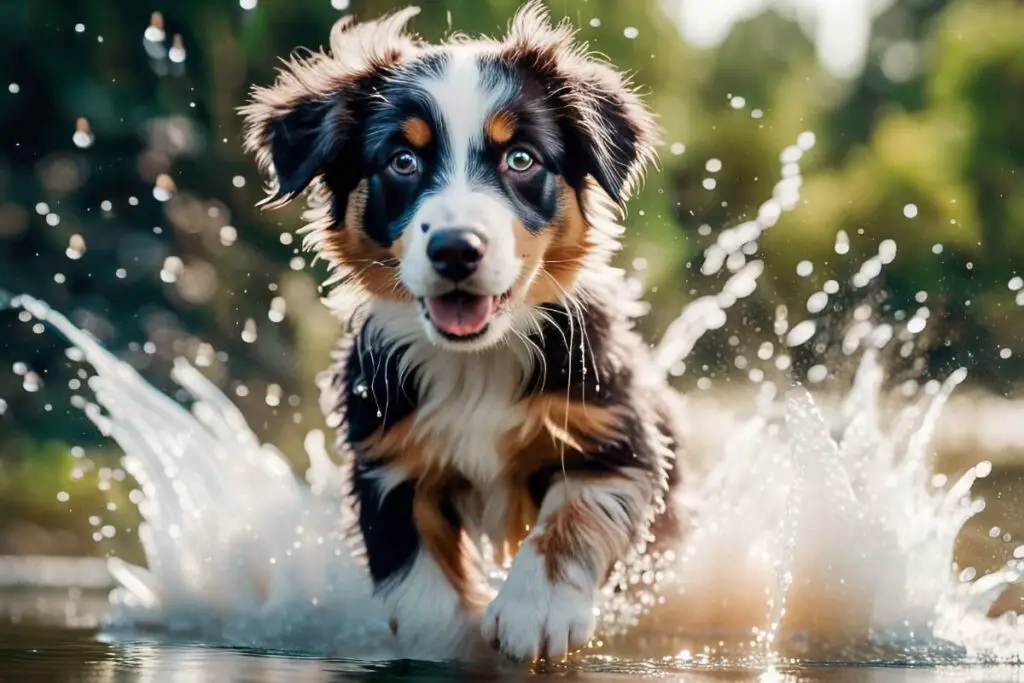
x,y
462,316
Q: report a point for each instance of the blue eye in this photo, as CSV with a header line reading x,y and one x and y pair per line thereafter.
x,y
404,163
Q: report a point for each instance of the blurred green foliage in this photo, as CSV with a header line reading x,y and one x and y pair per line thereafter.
x,y
934,121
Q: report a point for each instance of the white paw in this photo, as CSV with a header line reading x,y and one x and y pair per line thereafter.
x,y
533,617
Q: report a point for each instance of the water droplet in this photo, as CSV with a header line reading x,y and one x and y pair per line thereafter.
x,y
177,52
937,249
713,165
76,247
238,181
14,88
79,28
340,5
842,245
737,102
31,382
155,31
709,183
631,32
164,188
756,113
248,4
83,137
968,574
1016,283
1005,353
801,333
595,22
273,398
887,251
916,324
172,269
910,210
278,308
804,268
817,302
983,469
228,235
63,496
806,140
817,373
249,331
677,148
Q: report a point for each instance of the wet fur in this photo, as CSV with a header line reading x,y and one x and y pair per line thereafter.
x,y
556,440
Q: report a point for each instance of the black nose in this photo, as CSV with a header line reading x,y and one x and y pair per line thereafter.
x,y
456,252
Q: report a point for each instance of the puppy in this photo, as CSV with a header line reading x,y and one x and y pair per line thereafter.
x,y
490,384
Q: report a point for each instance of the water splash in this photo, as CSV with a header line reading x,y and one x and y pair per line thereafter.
x,y
238,550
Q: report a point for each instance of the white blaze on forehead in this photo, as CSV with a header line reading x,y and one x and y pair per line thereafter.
x,y
464,100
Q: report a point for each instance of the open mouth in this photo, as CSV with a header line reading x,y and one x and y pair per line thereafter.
x,y
462,315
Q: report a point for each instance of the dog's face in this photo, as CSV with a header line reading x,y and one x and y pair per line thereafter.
x,y
455,177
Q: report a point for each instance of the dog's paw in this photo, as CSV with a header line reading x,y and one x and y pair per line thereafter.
x,y
533,617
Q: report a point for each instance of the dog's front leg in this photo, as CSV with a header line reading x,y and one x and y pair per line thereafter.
x,y
414,547
546,607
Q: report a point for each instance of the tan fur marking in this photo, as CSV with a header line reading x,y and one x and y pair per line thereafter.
x,y
371,265
554,426
446,544
403,449
578,532
500,127
552,429
417,132
565,251
521,518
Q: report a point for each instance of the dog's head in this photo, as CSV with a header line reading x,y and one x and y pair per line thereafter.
x,y
465,178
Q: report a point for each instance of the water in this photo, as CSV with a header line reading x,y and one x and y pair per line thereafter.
x,y
821,533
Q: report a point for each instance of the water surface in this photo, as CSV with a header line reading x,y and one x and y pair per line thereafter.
x,y
39,653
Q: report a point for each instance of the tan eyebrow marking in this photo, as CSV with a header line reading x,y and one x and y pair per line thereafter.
x,y
417,132
500,127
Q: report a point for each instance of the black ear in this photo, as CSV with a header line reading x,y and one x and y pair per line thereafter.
x,y
303,141
609,133
303,123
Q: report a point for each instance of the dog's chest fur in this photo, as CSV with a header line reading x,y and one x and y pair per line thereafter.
x,y
458,413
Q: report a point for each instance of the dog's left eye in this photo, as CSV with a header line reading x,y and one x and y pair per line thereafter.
x,y
404,163
519,160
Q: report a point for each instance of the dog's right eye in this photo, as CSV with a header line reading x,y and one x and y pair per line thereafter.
x,y
404,163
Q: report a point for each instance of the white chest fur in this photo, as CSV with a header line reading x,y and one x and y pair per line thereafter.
x,y
466,401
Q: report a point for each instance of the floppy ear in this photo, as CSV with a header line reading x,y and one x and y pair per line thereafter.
x,y
304,126
610,134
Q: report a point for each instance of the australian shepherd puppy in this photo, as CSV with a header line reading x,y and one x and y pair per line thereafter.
x,y
490,383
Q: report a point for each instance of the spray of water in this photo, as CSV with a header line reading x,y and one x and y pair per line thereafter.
x,y
814,537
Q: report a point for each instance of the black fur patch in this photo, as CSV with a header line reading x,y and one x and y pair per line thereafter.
x,y
386,522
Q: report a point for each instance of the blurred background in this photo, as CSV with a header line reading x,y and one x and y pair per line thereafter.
x,y
126,203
